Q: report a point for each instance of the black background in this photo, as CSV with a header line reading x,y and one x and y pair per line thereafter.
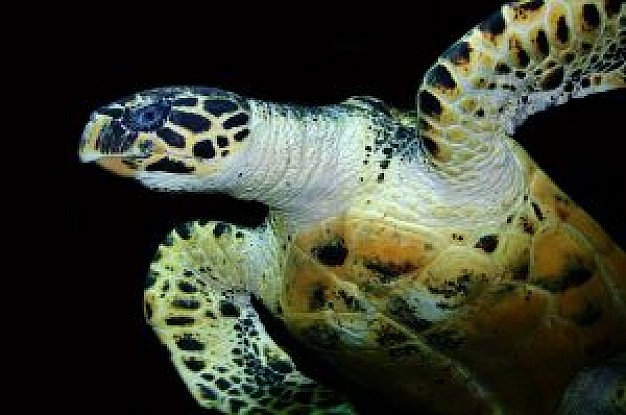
x,y
108,360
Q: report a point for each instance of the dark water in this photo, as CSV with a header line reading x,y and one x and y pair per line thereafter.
x,y
312,55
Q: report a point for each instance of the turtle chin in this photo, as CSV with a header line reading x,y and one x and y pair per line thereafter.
x,y
119,165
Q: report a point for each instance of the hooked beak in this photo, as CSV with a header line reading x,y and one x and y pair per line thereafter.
x,y
108,146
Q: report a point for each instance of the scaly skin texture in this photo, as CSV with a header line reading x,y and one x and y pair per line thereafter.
x,y
217,341
424,255
525,57
498,321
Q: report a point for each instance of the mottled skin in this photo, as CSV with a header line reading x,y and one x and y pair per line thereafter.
x,y
424,255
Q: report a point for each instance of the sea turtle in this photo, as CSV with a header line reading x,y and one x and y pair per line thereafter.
x,y
422,254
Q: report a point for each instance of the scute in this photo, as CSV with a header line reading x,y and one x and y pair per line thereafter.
x,y
378,260
482,324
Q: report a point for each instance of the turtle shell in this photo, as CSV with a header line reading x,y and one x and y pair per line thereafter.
x,y
460,320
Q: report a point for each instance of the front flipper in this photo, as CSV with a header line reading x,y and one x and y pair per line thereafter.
x,y
198,304
524,58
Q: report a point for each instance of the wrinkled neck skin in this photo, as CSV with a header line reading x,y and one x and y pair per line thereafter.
x,y
304,162
482,184
315,163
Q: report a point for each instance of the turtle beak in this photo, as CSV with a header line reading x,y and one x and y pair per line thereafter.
x,y
106,143
88,150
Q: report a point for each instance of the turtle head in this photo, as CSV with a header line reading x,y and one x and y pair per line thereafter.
x,y
172,138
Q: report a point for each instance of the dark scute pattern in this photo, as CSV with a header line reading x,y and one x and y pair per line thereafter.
x,y
612,6
574,276
206,393
522,57
148,311
531,5
387,336
150,280
591,15
184,230
219,107
228,309
185,102
439,76
494,24
188,343
502,69
401,311
204,149
542,43
193,122
194,364
553,79
171,137
317,297
458,53
221,141
332,253
562,30
537,211
236,405
429,104
185,303
169,166
221,228
487,243
222,384
187,287
280,366
237,120
388,271
180,321
241,135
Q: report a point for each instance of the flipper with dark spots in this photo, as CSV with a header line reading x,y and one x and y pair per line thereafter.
x,y
198,301
524,58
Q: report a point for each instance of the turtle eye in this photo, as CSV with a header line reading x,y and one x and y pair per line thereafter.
x,y
147,118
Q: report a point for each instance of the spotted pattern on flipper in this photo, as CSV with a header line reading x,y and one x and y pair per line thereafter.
x,y
196,303
527,56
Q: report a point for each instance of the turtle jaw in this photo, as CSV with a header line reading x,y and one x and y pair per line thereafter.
x,y
109,146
